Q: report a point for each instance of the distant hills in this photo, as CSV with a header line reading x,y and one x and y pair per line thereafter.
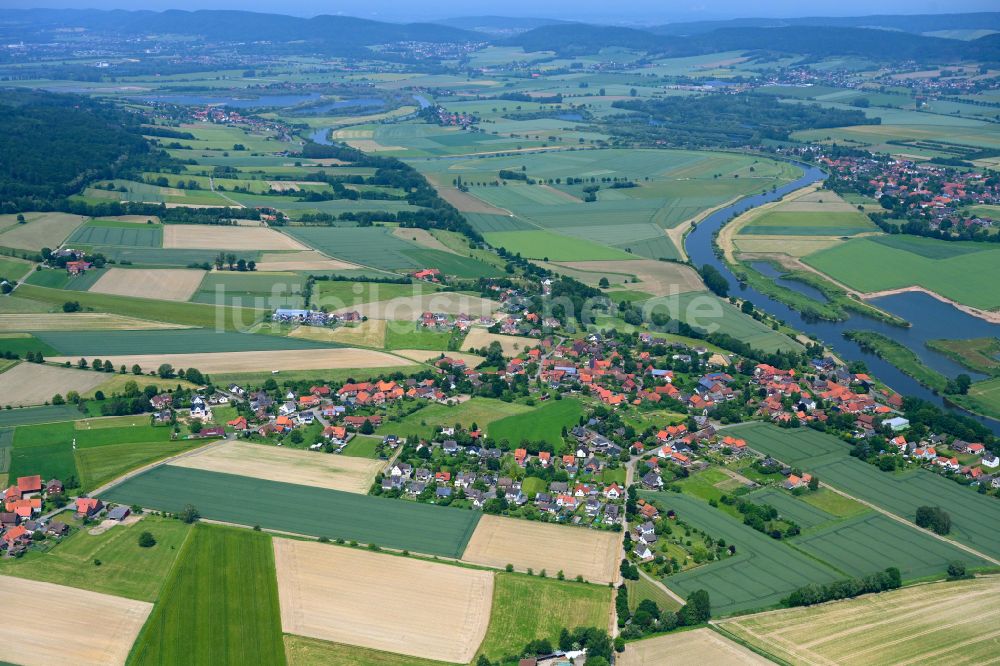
x,y
815,41
881,37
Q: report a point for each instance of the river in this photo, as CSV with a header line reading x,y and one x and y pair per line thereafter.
x,y
322,136
930,318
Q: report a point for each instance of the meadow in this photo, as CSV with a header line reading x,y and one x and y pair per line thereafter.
x,y
126,570
805,223
543,424
302,651
962,271
529,608
901,626
101,464
759,575
550,246
219,604
43,450
258,290
247,501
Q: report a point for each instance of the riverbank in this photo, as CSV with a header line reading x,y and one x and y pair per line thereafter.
x,y
977,354
900,356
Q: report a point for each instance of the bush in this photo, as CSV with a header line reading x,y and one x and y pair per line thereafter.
x,y
933,518
147,540
189,514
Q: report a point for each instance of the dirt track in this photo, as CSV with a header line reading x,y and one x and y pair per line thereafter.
x,y
574,550
307,468
380,601
46,624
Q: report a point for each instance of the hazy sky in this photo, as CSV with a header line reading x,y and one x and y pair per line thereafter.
x,y
631,11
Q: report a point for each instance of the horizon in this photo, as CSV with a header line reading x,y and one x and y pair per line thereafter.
x,y
643,12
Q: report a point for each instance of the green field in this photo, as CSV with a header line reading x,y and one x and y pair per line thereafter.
x,y
527,608
302,651
57,279
125,234
425,422
14,269
260,290
552,246
188,314
644,588
873,542
43,449
978,354
22,343
791,507
219,604
102,464
35,415
761,572
972,514
543,424
377,247
362,447
787,223
983,397
126,570
170,341
320,512
712,314
891,262
411,335
337,294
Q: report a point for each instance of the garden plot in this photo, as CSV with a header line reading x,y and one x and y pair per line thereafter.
x,y
53,624
169,284
308,468
255,361
203,236
381,601
575,551
688,648
34,384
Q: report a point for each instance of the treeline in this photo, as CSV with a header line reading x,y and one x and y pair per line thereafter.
x,y
723,119
649,618
52,145
391,172
815,593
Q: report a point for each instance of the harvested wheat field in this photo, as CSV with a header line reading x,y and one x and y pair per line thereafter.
x,y
409,308
34,384
291,185
381,601
134,219
260,361
306,260
306,468
423,238
688,648
659,278
166,284
795,247
41,230
52,624
512,344
204,236
940,623
573,550
78,321
370,333
427,356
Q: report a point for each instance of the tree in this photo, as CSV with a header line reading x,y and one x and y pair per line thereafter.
x,y
165,371
697,610
956,570
933,518
20,219
71,306
747,308
147,540
366,428
814,483
57,399
136,369
714,280
189,514
603,283
295,437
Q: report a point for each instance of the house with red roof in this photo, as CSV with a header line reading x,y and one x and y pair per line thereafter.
x,y
88,506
